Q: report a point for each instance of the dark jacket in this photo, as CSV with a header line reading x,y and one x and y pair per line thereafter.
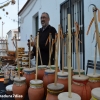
x,y
43,35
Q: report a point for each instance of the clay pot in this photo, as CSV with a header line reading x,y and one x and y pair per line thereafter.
x,y
64,96
29,74
94,81
66,70
48,78
54,91
41,70
9,89
63,79
54,67
36,90
19,88
80,87
95,94
76,72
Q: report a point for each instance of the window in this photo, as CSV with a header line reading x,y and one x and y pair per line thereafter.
x,y
76,9
36,24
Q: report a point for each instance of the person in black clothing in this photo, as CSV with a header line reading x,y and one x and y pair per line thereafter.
x,y
43,36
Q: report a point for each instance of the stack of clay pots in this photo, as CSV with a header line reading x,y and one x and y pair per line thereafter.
x,y
20,53
25,60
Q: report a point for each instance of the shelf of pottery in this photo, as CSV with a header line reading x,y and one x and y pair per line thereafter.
x,y
23,58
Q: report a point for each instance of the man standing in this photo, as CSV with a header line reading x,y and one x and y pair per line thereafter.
x,y
43,36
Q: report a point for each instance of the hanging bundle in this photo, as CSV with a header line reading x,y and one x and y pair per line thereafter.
x,y
0,17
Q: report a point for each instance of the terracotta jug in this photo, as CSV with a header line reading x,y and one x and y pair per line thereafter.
x,y
36,90
76,72
29,74
54,91
64,96
94,80
63,79
95,94
19,88
53,67
48,78
41,70
66,70
80,87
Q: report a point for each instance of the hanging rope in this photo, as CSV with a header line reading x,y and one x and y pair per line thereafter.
x,y
4,2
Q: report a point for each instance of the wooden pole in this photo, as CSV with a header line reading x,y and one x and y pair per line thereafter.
x,y
17,57
40,57
67,47
95,59
76,47
30,51
69,57
50,50
37,49
6,43
57,51
97,38
62,55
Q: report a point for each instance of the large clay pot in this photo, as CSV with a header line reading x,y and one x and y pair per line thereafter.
x,y
54,91
54,67
41,71
76,72
94,80
48,78
36,90
19,88
95,94
64,96
29,74
80,87
66,70
63,79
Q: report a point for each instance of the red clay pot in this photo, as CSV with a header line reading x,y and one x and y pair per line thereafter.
x,y
48,78
19,88
94,81
36,90
29,74
63,79
41,71
54,91
80,87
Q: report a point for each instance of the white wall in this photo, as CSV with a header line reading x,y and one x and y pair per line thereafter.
x,y
11,46
88,15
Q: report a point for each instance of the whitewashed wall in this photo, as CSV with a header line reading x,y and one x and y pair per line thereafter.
x,y
88,15
11,34
10,43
